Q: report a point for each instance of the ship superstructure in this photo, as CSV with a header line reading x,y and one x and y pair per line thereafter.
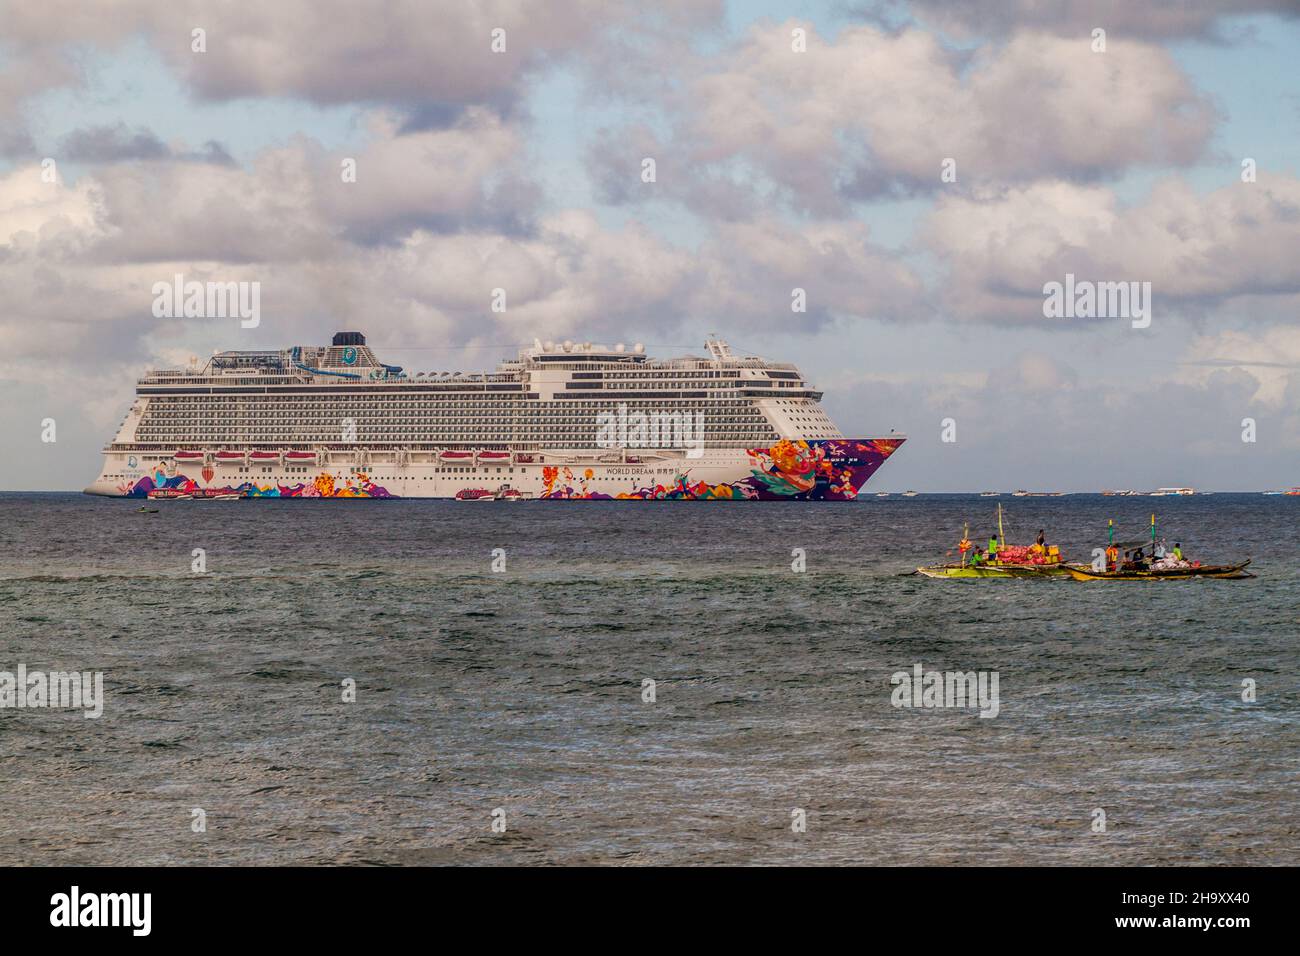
x,y
566,420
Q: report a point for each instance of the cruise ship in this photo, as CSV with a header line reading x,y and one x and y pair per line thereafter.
x,y
561,421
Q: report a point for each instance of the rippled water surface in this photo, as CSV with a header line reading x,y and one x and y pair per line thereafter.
x,y
522,690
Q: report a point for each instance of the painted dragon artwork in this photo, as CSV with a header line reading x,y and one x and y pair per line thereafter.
x,y
824,470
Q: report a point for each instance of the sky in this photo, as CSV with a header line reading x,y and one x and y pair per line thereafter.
x,y
921,170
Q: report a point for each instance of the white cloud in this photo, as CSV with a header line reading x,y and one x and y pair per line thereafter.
x,y
1196,250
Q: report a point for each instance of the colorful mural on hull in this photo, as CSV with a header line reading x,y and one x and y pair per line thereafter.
x,y
820,470
325,486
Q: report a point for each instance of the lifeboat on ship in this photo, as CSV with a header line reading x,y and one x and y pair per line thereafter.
x,y
456,455
231,455
301,457
188,456
494,455
265,456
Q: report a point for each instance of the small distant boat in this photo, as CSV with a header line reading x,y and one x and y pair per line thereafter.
x,y
989,494
1163,492
1020,493
909,494
1293,491
1084,572
885,494
474,494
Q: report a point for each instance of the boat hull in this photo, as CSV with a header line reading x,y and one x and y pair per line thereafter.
x,y
1233,572
814,470
994,571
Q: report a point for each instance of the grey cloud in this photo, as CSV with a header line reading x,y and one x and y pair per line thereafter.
x,y
816,131
432,56
118,143
1199,252
1149,19
112,144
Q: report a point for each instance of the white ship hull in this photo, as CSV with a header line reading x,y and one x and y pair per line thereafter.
x,y
833,469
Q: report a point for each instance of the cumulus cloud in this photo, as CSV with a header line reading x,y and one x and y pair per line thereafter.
x,y
1151,19
468,175
842,120
430,58
84,257
1197,251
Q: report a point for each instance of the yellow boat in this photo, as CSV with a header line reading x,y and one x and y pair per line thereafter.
x,y
993,570
1229,572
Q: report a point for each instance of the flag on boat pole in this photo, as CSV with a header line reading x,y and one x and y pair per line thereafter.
x,y
1110,531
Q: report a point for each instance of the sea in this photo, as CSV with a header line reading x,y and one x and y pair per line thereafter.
x,y
346,682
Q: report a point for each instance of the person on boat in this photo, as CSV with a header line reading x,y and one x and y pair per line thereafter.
x,y
976,558
1160,550
993,547
1139,560
1112,558
1178,551
1041,541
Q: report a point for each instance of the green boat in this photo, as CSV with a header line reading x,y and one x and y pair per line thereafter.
x,y
997,569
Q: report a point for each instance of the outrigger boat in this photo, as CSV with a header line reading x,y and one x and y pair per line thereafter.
x,y
1167,567
1229,572
1012,561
